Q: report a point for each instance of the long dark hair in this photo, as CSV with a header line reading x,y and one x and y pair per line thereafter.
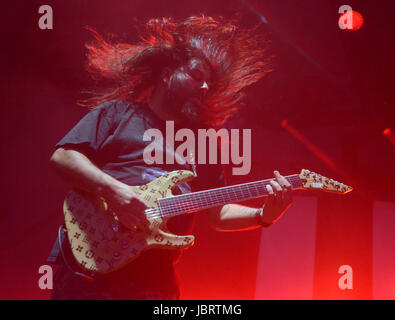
x,y
237,57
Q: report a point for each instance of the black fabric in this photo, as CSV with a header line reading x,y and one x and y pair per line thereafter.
x,y
111,136
55,252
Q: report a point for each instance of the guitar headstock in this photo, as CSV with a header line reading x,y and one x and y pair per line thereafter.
x,y
312,180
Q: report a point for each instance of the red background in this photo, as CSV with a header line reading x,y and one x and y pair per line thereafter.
x,y
334,87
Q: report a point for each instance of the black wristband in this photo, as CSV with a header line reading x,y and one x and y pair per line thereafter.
x,y
258,218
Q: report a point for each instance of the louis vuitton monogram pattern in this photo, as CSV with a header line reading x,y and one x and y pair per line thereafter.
x,y
100,244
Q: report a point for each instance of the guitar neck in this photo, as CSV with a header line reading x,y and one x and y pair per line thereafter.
x,y
196,201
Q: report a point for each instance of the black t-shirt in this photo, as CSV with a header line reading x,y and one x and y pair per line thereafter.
x,y
111,136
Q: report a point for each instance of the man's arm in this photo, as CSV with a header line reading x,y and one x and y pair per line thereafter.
x,y
79,172
233,217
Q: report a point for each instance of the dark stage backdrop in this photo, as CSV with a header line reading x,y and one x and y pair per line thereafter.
x,y
334,87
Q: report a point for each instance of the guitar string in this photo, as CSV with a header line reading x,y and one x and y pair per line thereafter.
x,y
219,191
174,206
214,197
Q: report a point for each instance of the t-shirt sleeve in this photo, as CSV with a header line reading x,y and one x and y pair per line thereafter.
x,y
219,177
89,134
211,177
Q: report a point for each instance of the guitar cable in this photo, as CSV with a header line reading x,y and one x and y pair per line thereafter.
x,y
60,240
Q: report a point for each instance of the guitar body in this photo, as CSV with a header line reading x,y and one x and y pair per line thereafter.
x,y
100,244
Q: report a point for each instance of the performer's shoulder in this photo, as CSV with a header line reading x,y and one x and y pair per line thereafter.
x,y
118,107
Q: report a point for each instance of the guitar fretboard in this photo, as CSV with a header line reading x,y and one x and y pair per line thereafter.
x,y
196,201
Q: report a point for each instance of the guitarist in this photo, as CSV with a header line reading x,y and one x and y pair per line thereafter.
x,y
191,72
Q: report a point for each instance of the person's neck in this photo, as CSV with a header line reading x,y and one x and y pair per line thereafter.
x,y
157,105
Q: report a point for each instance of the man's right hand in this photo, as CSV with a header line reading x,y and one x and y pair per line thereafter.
x,y
128,207
80,173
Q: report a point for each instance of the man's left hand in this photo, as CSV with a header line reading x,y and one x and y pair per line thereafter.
x,y
279,200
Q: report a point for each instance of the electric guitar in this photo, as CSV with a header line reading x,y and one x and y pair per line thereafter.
x,y
101,244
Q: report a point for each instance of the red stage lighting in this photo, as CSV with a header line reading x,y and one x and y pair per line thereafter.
x,y
314,149
389,135
387,132
357,20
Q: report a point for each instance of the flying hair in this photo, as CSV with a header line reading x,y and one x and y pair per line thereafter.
x,y
237,57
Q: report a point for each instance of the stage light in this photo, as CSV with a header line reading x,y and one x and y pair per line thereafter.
x,y
315,150
389,135
357,20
